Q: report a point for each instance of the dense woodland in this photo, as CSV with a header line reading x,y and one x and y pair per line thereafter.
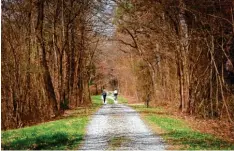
x,y
178,53
47,52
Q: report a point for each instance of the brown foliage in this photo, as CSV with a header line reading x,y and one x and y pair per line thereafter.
x,y
47,53
183,50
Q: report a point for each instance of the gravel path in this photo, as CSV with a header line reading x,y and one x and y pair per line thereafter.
x,y
119,127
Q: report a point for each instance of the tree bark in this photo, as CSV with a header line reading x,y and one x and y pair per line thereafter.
x,y
46,74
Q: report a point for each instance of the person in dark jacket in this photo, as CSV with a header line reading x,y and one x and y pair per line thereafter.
x,y
104,96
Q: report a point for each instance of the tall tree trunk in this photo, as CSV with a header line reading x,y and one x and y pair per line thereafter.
x,y
183,44
46,74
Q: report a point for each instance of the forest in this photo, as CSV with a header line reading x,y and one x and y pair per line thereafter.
x,y
174,53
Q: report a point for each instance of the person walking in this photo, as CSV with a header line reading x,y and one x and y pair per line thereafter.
x,y
104,96
115,94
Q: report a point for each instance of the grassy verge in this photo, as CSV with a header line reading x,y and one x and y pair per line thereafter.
x,y
176,132
98,100
122,100
62,134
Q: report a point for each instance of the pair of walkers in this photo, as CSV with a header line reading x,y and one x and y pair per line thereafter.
x,y
104,94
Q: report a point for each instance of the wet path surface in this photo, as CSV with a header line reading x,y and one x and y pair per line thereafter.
x,y
119,127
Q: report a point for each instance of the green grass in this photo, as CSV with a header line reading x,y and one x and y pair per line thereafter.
x,y
122,100
178,133
97,100
110,101
62,134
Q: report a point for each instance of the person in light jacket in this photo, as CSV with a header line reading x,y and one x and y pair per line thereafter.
x,y
115,94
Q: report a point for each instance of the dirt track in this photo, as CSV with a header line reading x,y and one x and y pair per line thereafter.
x,y
119,127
